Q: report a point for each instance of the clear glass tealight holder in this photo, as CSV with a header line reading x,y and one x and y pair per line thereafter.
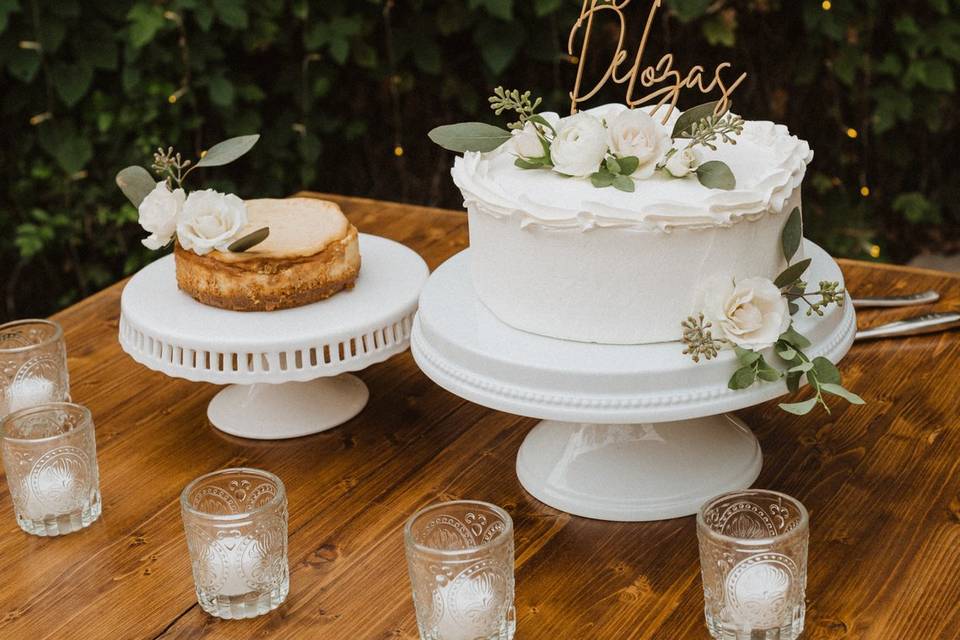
x,y
235,522
33,365
753,560
50,458
460,558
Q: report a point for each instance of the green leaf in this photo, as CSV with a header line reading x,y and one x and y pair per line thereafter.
x,y
837,390
769,374
6,8
612,165
718,30
716,175
787,353
628,165
916,208
938,75
499,43
502,9
746,356
469,136
742,378
688,10
794,339
800,408
825,371
793,381
249,241
691,116
791,274
602,179
528,164
231,13
624,183
227,151
221,91
803,367
136,183
793,307
792,234
544,7
23,64
539,119
71,81
145,20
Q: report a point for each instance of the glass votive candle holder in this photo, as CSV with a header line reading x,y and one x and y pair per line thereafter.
x,y
235,522
460,558
50,458
33,365
753,560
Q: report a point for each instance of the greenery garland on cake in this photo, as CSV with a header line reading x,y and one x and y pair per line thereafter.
x,y
630,146
754,314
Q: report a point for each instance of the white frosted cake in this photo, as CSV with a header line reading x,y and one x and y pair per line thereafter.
x,y
556,256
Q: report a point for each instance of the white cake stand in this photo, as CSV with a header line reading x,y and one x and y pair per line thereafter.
x,y
630,433
288,368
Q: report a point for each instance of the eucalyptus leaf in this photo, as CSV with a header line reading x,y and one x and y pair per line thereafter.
x,y
803,367
792,273
628,164
602,179
837,390
769,374
793,382
136,183
691,116
800,408
469,136
527,164
716,175
742,378
227,151
746,356
539,119
792,234
793,307
825,371
794,339
624,183
249,241
787,353
612,165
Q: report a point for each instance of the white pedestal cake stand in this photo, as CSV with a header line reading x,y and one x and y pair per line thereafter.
x,y
630,432
287,369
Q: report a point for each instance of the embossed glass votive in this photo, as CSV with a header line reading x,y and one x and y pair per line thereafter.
x,y
753,559
460,557
235,521
50,456
33,365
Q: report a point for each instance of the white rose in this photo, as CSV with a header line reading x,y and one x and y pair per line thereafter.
x,y
579,145
683,162
526,143
751,313
210,220
158,215
634,133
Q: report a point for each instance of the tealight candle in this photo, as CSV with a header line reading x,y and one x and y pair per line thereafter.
x,y
236,527
30,392
35,365
460,556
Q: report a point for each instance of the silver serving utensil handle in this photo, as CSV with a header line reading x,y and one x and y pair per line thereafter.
x,y
927,323
927,297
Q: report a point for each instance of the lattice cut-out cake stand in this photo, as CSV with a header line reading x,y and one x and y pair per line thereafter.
x,y
629,432
287,370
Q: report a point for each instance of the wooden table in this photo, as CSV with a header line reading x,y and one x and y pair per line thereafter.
x,y
880,482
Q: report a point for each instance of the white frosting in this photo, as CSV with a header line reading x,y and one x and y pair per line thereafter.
x,y
768,162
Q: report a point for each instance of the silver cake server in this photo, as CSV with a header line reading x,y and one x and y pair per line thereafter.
x,y
927,297
927,323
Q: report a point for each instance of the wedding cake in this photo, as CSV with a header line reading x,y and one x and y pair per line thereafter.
x,y
555,255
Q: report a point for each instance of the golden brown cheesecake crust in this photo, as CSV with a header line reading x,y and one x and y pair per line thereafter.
x,y
269,283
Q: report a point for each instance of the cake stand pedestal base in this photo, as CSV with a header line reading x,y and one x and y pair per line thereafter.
x,y
637,472
289,409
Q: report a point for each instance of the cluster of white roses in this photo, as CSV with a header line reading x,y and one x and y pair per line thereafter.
x,y
202,221
578,145
751,313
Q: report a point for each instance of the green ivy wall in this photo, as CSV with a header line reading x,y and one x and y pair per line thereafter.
x,y
344,92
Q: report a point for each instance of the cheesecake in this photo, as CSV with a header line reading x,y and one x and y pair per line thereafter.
x,y
311,253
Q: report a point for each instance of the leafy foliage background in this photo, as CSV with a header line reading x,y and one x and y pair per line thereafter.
x,y
344,92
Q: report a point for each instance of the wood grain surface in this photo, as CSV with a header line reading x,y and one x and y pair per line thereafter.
x,y
880,482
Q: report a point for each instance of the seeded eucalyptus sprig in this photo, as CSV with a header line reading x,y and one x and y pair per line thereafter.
x,y
707,131
512,100
699,340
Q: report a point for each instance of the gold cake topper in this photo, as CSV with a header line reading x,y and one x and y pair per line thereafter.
x,y
649,76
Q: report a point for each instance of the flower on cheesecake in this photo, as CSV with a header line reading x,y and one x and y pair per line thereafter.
x,y
751,313
579,145
683,162
158,214
210,220
632,132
